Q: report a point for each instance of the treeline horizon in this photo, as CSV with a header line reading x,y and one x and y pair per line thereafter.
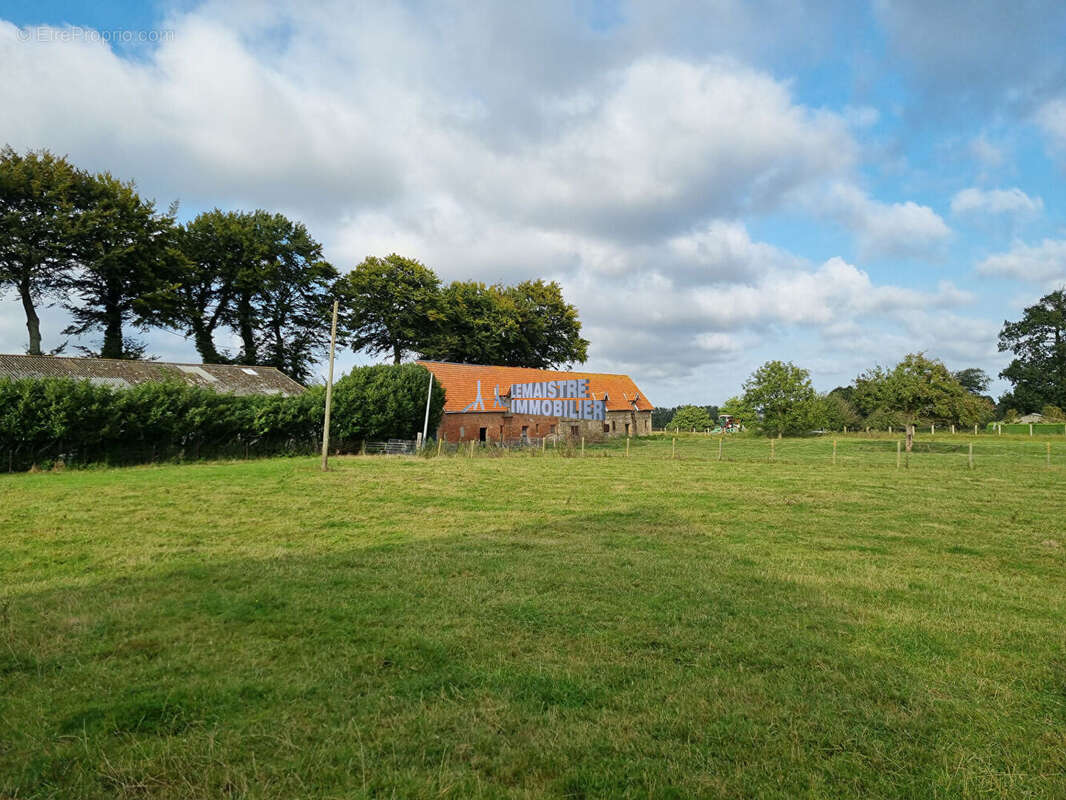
x,y
92,245
779,397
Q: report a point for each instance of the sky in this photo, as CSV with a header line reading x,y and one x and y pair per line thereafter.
x,y
714,184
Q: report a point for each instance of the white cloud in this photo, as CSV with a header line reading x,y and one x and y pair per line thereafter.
x,y
995,201
667,144
1051,118
621,165
988,155
975,55
1043,263
883,229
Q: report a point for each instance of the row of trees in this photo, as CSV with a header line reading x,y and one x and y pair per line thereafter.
x,y
396,305
779,399
116,263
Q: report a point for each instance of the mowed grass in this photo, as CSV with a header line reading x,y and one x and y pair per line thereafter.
x,y
541,626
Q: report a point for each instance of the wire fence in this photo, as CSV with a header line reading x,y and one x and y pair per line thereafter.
x,y
986,450
854,450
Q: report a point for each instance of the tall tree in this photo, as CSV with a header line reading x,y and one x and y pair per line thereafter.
x,y
973,379
390,305
917,389
42,198
476,321
293,300
1038,341
547,330
217,246
527,325
262,275
784,399
129,270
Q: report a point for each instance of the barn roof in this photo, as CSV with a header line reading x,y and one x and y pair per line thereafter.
x,y
229,378
461,383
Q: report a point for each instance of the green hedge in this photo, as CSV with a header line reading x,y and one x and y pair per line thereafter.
x,y
1023,428
45,420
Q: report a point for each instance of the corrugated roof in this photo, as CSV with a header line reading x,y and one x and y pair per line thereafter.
x,y
463,382
229,378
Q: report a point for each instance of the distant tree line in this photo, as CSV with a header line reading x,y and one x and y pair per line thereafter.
x,y
779,399
684,417
118,265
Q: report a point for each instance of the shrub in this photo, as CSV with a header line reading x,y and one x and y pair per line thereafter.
x,y
45,419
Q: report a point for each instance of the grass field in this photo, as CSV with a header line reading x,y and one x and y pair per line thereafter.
x,y
537,625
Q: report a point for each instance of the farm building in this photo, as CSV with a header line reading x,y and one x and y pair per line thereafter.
x,y
479,405
228,378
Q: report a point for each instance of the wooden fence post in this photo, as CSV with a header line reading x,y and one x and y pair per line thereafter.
x,y
834,452
971,455
953,429
471,448
627,447
1030,429
440,444
771,449
582,445
673,448
720,443
899,449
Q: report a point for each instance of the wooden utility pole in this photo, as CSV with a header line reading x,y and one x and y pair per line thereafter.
x,y
429,396
329,390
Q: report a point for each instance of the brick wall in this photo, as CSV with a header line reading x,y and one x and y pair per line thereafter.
x,y
458,427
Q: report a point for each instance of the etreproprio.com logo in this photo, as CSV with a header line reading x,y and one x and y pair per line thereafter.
x,y
45,33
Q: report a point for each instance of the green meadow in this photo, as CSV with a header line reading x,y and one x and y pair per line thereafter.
x,y
544,624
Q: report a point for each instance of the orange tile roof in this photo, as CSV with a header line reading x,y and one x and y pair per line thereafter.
x,y
461,382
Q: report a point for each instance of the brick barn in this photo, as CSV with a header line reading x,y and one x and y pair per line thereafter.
x,y
478,404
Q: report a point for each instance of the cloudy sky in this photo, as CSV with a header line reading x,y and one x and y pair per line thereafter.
x,y
714,183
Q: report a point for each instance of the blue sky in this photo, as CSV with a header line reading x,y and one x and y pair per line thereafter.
x,y
714,184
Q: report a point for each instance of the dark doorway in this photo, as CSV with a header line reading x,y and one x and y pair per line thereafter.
x,y
481,434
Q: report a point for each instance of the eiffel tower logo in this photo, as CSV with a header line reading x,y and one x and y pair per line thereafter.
x,y
478,404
